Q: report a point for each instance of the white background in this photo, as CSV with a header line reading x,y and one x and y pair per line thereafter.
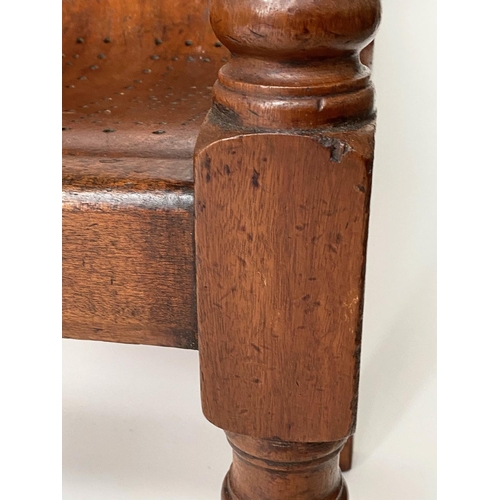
x,y
132,424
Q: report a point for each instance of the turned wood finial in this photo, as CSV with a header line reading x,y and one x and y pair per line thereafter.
x,y
295,63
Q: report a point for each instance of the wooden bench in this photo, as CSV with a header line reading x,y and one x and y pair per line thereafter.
x,y
256,256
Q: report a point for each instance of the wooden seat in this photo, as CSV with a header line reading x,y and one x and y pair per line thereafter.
x,y
289,133
137,84
137,77
136,88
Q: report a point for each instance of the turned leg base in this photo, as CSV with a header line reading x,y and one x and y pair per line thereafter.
x,y
276,470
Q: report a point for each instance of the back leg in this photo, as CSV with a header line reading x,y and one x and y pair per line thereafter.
x,y
346,455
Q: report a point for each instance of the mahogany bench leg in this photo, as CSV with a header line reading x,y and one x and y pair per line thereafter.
x,y
282,180
346,455
277,470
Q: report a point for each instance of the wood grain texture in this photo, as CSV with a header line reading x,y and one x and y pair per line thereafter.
x,y
283,176
142,71
280,293
123,38
271,469
138,76
137,80
128,266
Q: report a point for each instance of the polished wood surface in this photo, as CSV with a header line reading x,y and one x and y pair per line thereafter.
x,y
297,64
282,186
137,82
283,167
153,122
137,76
128,267
272,469
282,289
282,183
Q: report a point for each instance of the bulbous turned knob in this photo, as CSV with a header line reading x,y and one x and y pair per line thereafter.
x,y
295,63
295,29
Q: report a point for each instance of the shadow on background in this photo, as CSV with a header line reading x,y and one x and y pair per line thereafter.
x,y
129,426
398,368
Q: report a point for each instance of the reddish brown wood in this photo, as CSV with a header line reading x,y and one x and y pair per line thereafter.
x,y
128,267
280,295
98,99
137,68
346,455
107,97
137,79
272,469
366,55
282,185
298,64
